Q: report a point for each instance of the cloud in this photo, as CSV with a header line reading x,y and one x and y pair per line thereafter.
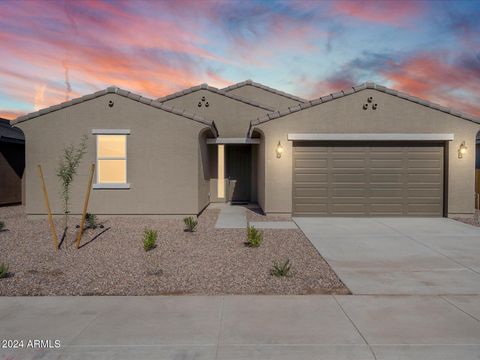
x,y
393,12
39,99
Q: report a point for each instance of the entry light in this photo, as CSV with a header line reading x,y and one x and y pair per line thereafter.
x,y
462,150
279,150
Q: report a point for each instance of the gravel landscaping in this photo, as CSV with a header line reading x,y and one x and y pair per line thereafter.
x,y
473,220
112,260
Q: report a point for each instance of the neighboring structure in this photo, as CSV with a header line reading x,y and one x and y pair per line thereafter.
x,y
364,151
12,163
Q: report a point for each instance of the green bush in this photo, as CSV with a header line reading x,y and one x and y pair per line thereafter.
x,y
91,221
281,269
254,237
149,239
3,271
2,225
190,224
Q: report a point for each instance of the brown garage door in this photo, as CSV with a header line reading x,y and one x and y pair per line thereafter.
x,y
365,179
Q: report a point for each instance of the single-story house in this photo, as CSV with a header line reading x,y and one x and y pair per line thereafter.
x,y
12,163
364,151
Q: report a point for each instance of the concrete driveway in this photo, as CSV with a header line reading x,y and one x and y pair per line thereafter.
x,y
423,256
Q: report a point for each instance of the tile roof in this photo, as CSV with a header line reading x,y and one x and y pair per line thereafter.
x,y
355,89
124,93
10,133
215,90
263,87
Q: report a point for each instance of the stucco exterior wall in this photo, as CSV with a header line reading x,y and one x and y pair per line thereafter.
x,y
231,117
261,173
203,172
162,158
265,97
346,115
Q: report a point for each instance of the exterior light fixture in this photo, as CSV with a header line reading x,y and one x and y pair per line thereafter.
x,y
279,150
462,150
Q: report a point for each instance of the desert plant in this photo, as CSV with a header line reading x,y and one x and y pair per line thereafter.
x,y
281,269
149,239
91,221
3,271
2,225
254,237
190,224
67,169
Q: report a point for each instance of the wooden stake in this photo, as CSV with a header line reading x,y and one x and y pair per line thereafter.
x,y
47,204
85,205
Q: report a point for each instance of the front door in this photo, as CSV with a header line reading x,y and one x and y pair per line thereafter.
x,y
238,161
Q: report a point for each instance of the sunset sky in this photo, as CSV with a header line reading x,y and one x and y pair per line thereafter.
x,y
52,51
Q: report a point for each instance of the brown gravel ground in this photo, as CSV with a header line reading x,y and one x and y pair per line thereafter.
x,y
474,220
210,261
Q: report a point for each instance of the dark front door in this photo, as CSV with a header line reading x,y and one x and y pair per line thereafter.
x,y
239,163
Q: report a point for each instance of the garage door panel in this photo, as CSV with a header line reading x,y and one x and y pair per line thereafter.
x,y
348,163
311,192
311,163
348,209
368,180
424,209
423,178
302,200
349,192
386,163
311,208
311,178
389,209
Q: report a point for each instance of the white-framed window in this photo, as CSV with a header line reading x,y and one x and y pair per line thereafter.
x,y
111,156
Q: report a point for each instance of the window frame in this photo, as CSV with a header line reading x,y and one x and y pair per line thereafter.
x,y
102,132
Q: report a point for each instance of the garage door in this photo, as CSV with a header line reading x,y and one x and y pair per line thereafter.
x,y
365,179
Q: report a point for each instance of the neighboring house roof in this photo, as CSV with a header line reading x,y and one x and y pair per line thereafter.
x,y
263,87
216,91
124,93
355,89
8,133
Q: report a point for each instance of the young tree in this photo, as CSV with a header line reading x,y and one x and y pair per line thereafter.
x,y
67,169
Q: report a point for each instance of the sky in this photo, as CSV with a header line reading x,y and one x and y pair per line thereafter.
x,y
55,50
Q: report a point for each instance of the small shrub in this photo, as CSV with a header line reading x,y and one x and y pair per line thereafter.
x,y
2,225
190,224
254,237
149,239
3,271
281,269
91,221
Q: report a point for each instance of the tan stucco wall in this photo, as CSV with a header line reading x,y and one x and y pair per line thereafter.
x,y
265,97
345,115
203,172
231,117
261,173
162,158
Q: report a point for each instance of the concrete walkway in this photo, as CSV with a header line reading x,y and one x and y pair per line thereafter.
x,y
407,256
277,225
245,327
230,217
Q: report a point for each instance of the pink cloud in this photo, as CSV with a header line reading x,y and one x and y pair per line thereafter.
x,y
393,12
431,77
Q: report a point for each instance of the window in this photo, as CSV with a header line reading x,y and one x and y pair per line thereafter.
x,y
111,159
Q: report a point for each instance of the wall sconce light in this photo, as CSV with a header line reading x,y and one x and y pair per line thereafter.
x,y
279,150
462,150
